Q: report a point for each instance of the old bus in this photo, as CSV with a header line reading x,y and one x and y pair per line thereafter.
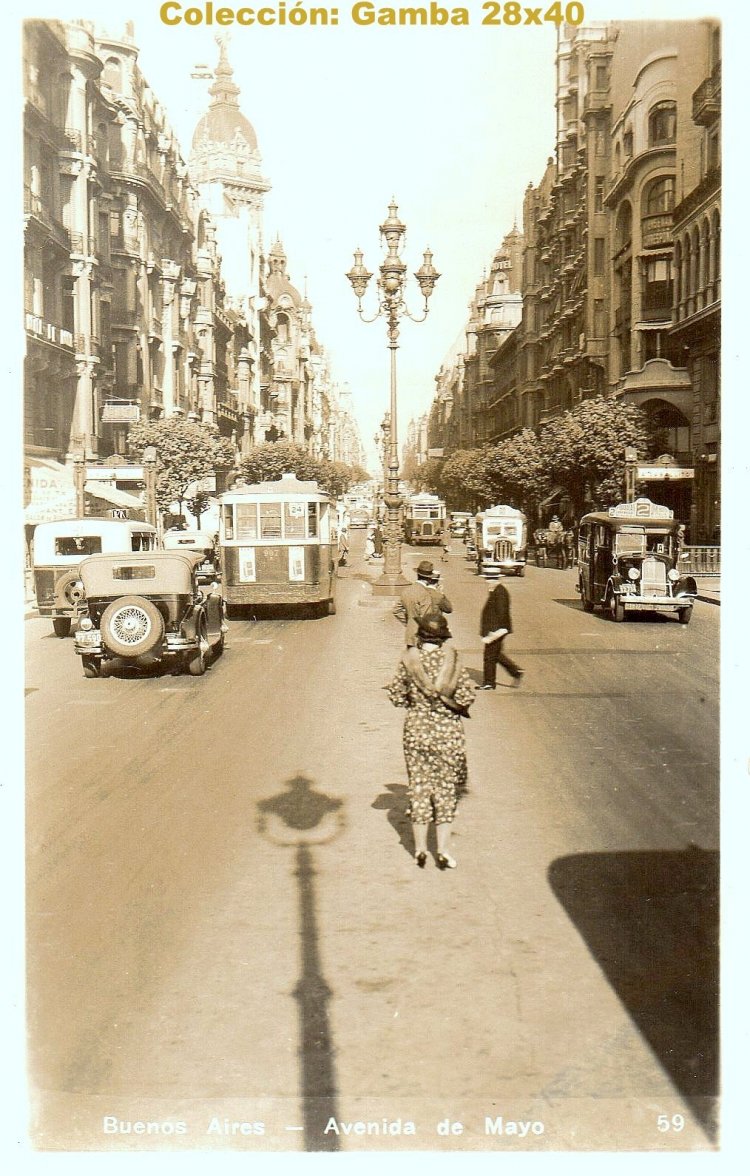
x,y
424,519
628,562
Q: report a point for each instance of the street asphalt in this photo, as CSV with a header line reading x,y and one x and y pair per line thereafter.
x,y
226,924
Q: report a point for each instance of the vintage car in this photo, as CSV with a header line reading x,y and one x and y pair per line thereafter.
x,y
59,548
200,542
146,608
627,562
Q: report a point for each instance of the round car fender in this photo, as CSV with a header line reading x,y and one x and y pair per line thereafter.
x,y
190,623
132,626
686,586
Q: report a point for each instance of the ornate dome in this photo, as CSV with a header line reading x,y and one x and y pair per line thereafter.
x,y
277,282
224,122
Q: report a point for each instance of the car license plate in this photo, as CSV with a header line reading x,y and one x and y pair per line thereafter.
x,y
87,637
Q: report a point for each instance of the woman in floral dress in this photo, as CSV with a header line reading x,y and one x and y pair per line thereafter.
x,y
436,692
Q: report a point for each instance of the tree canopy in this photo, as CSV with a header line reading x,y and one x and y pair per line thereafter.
x,y
269,461
584,449
186,453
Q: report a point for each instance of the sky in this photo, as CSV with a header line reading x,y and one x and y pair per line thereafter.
x,y
453,124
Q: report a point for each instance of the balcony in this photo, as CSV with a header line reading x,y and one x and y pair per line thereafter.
x,y
49,332
34,206
656,230
707,99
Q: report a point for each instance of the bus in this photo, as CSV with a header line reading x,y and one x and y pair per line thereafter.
x,y
501,541
278,544
424,519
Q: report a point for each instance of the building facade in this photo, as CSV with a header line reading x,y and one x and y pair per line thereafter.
x,y
147,293
621,281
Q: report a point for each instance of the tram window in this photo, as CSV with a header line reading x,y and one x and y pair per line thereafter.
x,y
294,520
228,523
312,520
270,520
247,520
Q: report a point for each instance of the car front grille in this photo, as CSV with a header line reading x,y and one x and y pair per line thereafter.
x,y
653,577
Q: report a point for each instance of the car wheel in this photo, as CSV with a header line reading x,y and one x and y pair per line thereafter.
x,y
91,667
615,606
131,626
61,626
521,572
683,615
588,605
199,660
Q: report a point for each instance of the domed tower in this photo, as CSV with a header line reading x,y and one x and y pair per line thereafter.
x,y
225,167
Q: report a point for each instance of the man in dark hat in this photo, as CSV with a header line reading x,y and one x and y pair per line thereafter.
x,y
421,598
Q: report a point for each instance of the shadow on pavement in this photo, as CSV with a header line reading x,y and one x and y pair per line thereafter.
x,y
302,818
651,922
601,615
394,802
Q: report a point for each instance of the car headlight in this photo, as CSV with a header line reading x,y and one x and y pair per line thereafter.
x,y
86,623
673,574
634,574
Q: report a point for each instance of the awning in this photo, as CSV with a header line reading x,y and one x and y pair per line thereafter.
x,y
112,495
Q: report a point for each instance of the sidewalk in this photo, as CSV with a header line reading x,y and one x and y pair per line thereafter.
x,y
709,588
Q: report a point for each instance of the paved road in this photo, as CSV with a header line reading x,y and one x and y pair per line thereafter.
x,y
225,922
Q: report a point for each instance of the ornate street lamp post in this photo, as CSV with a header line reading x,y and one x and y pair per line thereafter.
x,y
392,307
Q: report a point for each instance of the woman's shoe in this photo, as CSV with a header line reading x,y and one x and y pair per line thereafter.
x,y
445,862
421,859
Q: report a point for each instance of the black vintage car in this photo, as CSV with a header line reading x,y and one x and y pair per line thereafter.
x,y
627,562
146,608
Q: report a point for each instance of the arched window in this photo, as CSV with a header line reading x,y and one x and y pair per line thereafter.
x,y
662,124
658,196
624,228
282,329
112,74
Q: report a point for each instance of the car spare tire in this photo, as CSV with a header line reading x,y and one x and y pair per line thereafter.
x,y
69,590
131,626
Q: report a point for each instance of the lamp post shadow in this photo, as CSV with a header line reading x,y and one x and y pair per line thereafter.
x,y
301,818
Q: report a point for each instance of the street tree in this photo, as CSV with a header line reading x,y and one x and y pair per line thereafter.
x,y
584,449
186,453
517,472
268,461
465,483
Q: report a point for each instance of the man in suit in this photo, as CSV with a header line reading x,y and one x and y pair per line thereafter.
x,y
421,598
494,627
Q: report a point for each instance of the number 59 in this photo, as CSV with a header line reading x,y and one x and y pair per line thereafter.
x,y
675,1123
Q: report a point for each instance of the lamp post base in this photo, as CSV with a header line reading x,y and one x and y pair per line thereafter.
x,y
390,584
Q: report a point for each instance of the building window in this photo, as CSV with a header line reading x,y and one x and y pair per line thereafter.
x,y
657,286
714,149
599,255
599,194
112,74
662,124
659,196
601,77
627,144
